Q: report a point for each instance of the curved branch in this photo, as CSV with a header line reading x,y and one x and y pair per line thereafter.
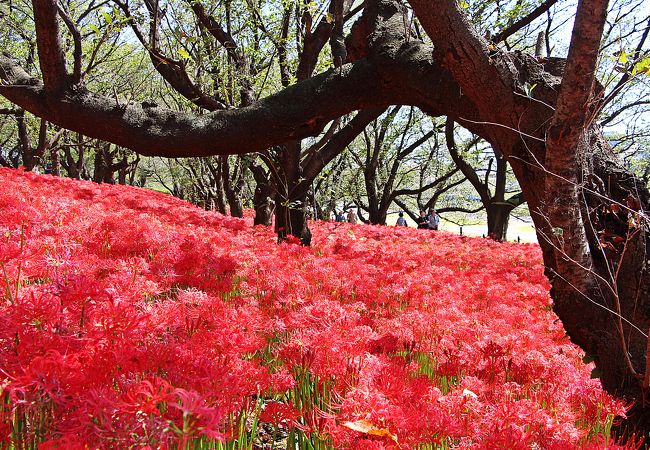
x,y
459,209
172,71
320,158
534,14
391,74
464,167
228,42
623,108
487,77
151,130
76,38
426,187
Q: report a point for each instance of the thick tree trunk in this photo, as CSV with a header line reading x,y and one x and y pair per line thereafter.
x,y
498,216
377,215
291,220
219,203
291,195
235,205
100,166
610,316
122,172
263,204
217,178
263,197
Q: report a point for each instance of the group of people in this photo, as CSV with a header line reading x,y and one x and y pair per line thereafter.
x,y
425,221
351,216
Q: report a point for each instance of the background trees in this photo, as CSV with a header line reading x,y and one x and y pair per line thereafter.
x,y
299,85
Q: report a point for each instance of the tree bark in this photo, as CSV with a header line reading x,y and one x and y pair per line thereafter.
x,y
263,197
498,216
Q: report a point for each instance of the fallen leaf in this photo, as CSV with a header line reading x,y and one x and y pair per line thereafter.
x,y
363,426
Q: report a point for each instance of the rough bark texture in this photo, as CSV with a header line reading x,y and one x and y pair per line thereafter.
x,y
263,197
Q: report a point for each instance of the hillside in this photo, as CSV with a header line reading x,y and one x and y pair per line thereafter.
x,y
130,318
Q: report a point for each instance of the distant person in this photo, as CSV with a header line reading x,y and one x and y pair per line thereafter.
x,y
422,221
340,217
433,220
352,216
401,221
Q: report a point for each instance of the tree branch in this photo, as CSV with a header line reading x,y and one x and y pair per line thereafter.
x,y
534,14
50,52
464,167
426,187
485,77
319,159
228,42
565,136
151,130
172,71
76,38
391,74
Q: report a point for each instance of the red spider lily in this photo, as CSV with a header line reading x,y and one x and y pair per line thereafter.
x,y
279,413
129,318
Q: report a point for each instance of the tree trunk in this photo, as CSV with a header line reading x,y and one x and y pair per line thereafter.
x,y
498,216
370,181
233,195
122,171
100,165
291,220
263,204
263,196
610,317
56,161
214,167
377,216
291,195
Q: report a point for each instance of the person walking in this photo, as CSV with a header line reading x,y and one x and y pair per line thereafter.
x,y
352,216
422,221
433,220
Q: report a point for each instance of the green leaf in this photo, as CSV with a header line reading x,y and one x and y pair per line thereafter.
x,y
596,373
587,359
463,4
107,17
183,53
642,66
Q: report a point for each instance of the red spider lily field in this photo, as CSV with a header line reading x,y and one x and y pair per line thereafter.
x,y
131,319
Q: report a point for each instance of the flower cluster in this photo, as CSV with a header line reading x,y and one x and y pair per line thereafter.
x,y
129,318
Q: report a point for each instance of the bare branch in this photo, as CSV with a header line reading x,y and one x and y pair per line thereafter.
x,y
228,42
76,37
534,14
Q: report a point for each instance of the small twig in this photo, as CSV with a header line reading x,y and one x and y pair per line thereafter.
x,y
503,126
